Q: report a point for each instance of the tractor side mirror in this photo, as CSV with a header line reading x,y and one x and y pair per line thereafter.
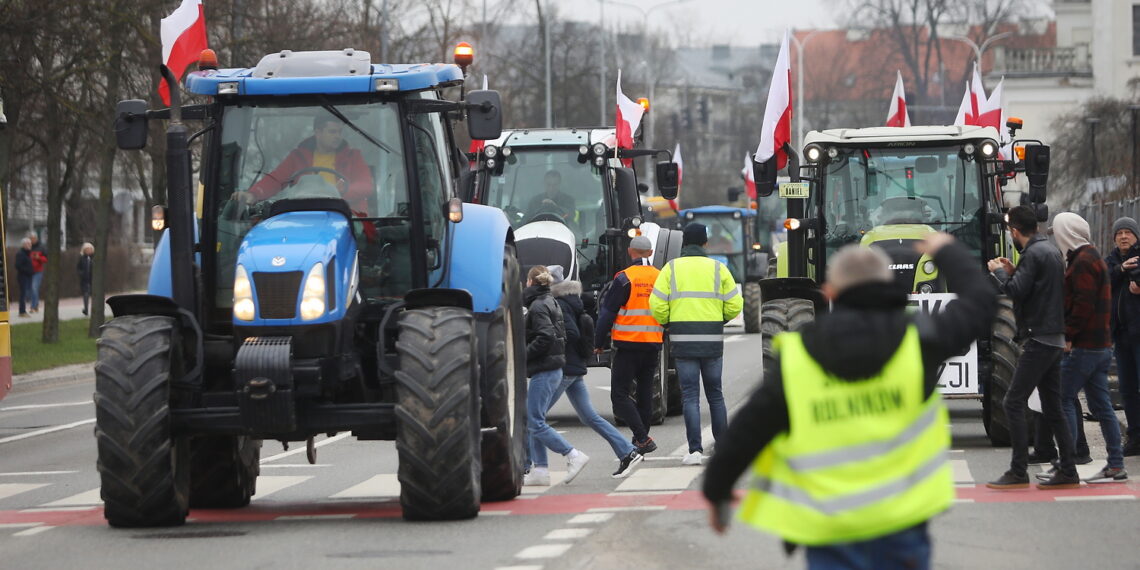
x,y
484,115
131,124
1037,171
764,173
668,179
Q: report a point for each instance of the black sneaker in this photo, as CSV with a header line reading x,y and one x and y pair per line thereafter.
x,y
1130,450
1010,480
1082,459
647,446
1040,459
1061,480
1109,475
626,465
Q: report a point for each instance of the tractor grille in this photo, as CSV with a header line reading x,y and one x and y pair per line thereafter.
x,y
904,260
277,294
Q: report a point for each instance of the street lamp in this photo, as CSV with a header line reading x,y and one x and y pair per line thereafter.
x,y
979,50
799,94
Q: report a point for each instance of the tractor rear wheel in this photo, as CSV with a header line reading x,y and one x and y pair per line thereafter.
x,y
143,469
660,394
504,393
782,315
1004,354
437,414
752,307
672,383
223,471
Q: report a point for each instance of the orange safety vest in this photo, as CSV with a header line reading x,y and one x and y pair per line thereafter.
x,y
635,322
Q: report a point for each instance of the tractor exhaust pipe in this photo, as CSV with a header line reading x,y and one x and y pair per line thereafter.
x,y
180,205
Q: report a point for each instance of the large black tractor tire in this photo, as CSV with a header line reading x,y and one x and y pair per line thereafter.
x,y
1004,354
660,394
437,415
752,308
782,315
144,470
504,399
672,383
223,471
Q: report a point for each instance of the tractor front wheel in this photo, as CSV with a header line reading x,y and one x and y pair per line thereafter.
x,y
1004,354
752,307
223,471
782,315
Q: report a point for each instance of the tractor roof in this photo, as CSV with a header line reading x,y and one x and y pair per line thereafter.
x,y
573,137
884,135
327,72
745,212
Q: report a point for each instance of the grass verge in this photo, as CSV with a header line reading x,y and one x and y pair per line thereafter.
x,y
30,354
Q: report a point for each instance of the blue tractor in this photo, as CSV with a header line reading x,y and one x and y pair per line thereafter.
x,y
734,241
323,278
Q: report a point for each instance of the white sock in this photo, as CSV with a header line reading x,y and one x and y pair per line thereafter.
x,y
573,453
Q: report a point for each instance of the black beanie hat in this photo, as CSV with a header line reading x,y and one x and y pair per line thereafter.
x,y
695,234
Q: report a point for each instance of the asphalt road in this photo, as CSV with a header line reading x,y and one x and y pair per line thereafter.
x,y
343,512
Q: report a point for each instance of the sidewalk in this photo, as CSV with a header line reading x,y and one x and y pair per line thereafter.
x,y
69,309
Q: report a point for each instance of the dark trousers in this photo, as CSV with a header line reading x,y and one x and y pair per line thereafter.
x,y
1128,374
1039,367
635,410
25,293
1043,437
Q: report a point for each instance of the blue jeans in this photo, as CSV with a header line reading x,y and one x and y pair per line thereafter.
x,y
579,395
904,550
1128,371
37,280
690,372
1087,369
540,435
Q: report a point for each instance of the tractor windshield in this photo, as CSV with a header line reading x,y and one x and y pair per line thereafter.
x,y
726,239
550,184
271,152
867,188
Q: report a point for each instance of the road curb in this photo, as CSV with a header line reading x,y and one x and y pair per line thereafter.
x,y
60,376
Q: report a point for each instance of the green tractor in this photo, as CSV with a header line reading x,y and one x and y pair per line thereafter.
x,y
733,241
890,187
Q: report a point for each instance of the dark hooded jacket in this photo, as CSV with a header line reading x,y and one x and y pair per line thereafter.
x,y
1125,309
854,342
1037,288
545,331
569,296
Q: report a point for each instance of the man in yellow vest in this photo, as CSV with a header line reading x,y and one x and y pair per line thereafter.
x,y
636,336
695,295
849,459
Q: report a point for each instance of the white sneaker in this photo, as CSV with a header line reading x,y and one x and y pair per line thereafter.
x,y
575,461
693,458
537,478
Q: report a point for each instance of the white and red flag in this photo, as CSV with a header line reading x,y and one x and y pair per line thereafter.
x,y
674,203
183,39
897,115
964,110
749,181
776,131
629,114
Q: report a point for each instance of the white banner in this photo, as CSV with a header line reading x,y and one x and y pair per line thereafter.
x,y
958,374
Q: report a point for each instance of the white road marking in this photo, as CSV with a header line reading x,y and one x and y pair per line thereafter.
x,y
85,499
604,387
36,473
735,337
18,525
484,513
34,530
643,493
962,475
543,551
374,487
591,518
556,477
1097,498
301,447
626,509
659,479
46,431
10,489
568,533
519,568
41,406
963,500
295,465
269,484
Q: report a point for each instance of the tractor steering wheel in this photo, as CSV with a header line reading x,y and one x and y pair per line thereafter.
x,y
314,170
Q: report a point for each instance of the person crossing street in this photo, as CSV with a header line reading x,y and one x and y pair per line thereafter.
x,y
694,296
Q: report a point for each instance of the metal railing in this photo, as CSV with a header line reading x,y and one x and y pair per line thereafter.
x,y
1073,60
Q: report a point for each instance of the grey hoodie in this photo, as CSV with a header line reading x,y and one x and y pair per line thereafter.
x,y
1071,232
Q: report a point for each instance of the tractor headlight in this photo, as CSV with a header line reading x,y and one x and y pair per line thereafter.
x,y
599,161
813,153
506,152
969,148
244,309
583,149
228,88
832,152
599,149
928,267
926,288
989,149
490,151
313,296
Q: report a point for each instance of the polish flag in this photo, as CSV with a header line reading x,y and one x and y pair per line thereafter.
x,y
977,97
680,170
183,39
629,114
749,181
897,116
477,145
776,131
995,116
964,117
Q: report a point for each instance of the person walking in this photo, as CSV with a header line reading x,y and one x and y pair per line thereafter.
x,y
545,357
624,316
83,267
848,435
579,345
39,263
1037,291
1124,319
694,296
1084,365
25,270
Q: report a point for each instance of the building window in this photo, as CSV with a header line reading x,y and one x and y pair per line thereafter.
x,y
1136,29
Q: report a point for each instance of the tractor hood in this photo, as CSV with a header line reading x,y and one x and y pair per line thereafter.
x,y
913,271
547,243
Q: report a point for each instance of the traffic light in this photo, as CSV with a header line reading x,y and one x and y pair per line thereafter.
x,y
703,109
